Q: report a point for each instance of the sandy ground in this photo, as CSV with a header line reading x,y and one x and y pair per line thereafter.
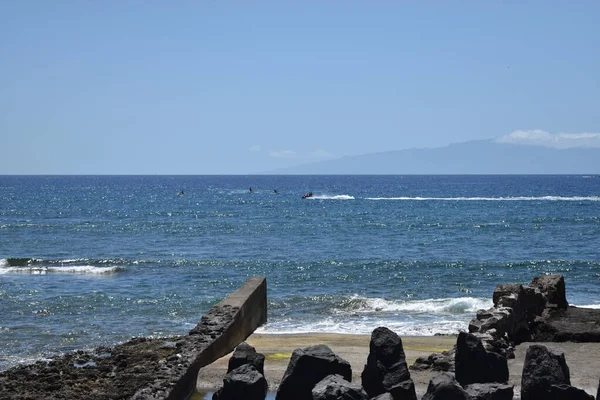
x,y
583,358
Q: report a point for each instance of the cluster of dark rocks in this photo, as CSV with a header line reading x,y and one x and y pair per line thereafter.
x,y
519,312
538,312
317,373
245,375
475,369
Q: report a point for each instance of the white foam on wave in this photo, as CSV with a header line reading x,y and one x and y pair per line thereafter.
x,y
10,361
71,260
331,197
360,315
459,305
4,263
71,269
594,306
331,325
516,198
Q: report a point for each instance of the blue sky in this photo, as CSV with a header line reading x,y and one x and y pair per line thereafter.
x,y
209,87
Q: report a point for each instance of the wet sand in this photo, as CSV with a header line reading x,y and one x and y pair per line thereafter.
x,y
583,358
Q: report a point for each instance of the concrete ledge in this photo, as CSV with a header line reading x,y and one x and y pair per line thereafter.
x,y
225,326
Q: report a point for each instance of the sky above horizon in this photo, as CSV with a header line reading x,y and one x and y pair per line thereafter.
x,y
211,87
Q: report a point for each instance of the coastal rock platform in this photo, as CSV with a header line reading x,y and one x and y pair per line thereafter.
x,y
573,324
144,369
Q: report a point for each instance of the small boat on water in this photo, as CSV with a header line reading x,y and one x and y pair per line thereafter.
x,y
307,195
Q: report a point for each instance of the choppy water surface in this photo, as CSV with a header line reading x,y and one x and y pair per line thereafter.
x,y
95,260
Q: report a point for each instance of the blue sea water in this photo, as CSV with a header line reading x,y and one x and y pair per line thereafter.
x,y
113,257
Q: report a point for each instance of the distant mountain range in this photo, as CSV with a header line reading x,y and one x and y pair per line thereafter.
x,y
474,157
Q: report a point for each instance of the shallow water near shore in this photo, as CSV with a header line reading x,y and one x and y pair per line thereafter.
x,y
94,260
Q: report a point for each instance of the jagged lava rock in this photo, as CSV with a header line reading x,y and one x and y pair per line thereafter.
x,y
445,387
308,367
541,370
335,387
246,354
523,304
553,289
490,391
386,369
476,365
441,362
244,382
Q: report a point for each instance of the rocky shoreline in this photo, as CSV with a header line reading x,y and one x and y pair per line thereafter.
x,y
542,374
141,368
476,368
106,373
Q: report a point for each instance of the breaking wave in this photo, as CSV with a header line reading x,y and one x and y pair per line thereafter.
x,y
40,267
331,197
360,315
516,198
365,327
459,305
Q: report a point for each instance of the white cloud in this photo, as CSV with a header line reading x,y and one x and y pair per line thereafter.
x,y
254,148
283,154
538,137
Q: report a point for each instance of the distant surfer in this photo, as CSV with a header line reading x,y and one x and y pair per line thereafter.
x,y
275,191
250,190
307,195
180,193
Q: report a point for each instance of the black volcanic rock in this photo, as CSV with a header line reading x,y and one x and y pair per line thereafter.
x,y
244,382
308,367
515,308
445,387
246,354
440,362
476,365
541,370
574,324
553,289
335,387
386,369
490,391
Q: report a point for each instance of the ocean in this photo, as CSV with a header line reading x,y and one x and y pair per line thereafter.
x,y
95,260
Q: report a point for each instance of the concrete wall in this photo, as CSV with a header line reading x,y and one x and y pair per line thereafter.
x,y
225,326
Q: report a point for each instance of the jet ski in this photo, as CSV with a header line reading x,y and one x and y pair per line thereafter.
x,y
307,195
